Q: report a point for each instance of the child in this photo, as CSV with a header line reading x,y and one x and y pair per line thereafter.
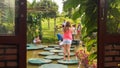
x,y
36,40
67,40
60,38
79,31
74,33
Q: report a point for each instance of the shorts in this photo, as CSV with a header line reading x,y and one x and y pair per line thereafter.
x,y
67,41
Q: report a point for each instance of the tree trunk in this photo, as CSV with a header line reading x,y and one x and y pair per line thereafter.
x,y
48,23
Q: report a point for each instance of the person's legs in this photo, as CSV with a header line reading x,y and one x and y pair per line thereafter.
x,y
64,51
78,34
68,50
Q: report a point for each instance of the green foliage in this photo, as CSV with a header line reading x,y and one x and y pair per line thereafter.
x,y
87,11
90,43
113,16
50,8
92,57
34,25
33,22
7,21
49,40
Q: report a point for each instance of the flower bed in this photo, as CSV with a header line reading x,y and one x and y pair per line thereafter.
x,y
82,54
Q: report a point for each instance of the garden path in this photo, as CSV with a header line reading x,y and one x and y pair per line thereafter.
x,y
35,54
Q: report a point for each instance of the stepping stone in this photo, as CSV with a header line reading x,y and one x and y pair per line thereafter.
x,y
32,48
57,47
46,53
53,57
71,54
68,61
75,42
53,46
56,51
35,47
72,46
71,49
53,66
29,45
38,61
49,48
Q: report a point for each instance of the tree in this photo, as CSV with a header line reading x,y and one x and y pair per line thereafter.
x,y
37,11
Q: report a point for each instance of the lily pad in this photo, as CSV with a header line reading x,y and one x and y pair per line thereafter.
x,y
46,53
38,61
53,57
53,66
68,61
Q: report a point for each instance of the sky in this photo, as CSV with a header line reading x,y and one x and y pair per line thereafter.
x,y
58,2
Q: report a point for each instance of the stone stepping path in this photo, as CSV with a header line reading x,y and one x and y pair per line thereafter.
x,y
46,53
49,48
54,57
72,46
35,47
58,48
29,45
68,61
38,61
53,46
53,66
52,52
56,51
75,42
72,49
71,54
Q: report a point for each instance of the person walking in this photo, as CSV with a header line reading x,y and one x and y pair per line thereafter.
x,y
79,31
67,40
74,32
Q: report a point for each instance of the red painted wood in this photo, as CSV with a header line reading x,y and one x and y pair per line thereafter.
x,y
16,53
